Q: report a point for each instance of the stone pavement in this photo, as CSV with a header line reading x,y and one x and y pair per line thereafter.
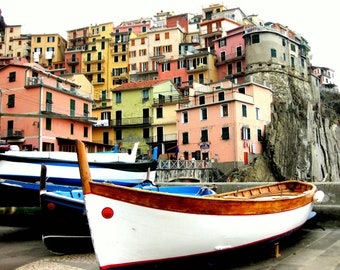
x,y
315,246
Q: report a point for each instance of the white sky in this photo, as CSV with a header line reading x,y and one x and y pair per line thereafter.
x,y
317,23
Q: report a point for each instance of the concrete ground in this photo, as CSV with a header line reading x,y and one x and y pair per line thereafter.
x,y
315,246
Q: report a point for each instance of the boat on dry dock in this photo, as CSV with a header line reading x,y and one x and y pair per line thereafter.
x,y
150,227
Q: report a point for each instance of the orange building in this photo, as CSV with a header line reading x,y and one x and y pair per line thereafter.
x,y
224,122
42,111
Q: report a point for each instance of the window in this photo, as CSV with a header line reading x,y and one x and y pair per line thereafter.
x,y
166,66
273,53
50,39
244,110
257,111
191,79
255,39
166,35
292,62
145,95
159,112
86,132
245,133
11,101
119,134
230,69
202,100
86,110
118,97
222,42
49,102
11,77
220,96
185,138
167,48
223,56
259,135
204,135
181,64
48,124
292,47
204,114
185,118
178,81
241,90
239,51
72,129
157,37
238,67
72,107
146,134
224,110
225,133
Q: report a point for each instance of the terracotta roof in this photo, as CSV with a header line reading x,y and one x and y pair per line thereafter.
x,y
138,85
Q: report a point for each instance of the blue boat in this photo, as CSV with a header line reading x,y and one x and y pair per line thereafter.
x,y
20,173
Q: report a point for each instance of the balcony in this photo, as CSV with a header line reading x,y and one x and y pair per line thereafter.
x,y
232,57
93,70
164,138
157,56
94,60
132,122
12,134
167,100
98,82
72,61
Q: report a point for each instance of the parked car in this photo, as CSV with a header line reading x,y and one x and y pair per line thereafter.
x,y
4,147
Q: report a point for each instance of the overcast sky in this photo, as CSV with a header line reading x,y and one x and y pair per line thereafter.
x,y
317,23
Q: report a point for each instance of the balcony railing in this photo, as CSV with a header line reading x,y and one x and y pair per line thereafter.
x,y
132,121
12,133
164,138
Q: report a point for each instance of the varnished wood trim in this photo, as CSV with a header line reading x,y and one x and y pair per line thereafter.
x,y
204,205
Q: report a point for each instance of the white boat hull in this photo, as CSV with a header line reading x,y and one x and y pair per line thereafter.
x,y
170,235
68,174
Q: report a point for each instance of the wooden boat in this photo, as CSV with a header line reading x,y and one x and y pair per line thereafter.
x,y
118,168
63,217
133,227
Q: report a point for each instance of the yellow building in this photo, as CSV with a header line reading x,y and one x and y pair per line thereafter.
x,y
48,50
96,67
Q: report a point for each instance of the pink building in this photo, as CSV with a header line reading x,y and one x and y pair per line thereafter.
x,y
230,52
224,122
42,111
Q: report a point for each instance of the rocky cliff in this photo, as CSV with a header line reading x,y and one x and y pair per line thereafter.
x,y
300,142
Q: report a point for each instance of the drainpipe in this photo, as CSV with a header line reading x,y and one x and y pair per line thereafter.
x,y
40,116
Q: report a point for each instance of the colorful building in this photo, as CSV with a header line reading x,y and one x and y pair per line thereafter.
x,y
142,112
224,122
48,50
42,111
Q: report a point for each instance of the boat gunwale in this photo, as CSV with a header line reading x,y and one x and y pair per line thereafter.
x,y
198,205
